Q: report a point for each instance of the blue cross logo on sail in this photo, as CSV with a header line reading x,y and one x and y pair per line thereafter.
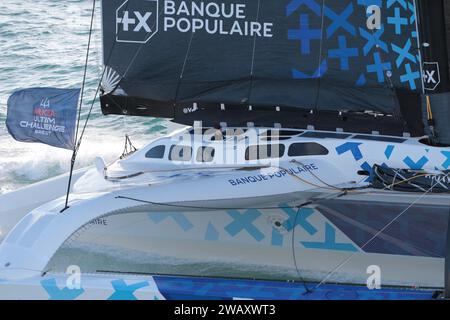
x,y
137,21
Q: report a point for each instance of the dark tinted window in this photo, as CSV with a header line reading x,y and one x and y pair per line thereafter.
x,y
306,149
180,153
379,138
264,151
283,133
274,138
324,135
213,134
274,135
156,152
205,154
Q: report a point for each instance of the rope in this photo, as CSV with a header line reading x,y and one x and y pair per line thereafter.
x,y
319,67
252,66
83,85
303,280
79,139
181,206
318,178
430,121
188,50
129,148
429,111
85,68
137,51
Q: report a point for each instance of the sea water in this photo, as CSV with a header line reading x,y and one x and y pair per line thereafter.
x,y
43,43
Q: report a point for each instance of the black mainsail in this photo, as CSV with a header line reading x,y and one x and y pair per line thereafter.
x,y
348,64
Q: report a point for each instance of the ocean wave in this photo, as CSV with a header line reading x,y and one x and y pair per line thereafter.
x,y
40,51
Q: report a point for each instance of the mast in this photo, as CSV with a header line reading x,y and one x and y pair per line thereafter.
x,y
432,21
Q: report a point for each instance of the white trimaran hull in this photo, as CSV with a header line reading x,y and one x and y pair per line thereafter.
x,y
247,240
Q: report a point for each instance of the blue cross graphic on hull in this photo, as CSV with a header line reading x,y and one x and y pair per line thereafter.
x,y
122,291
330,242
56,293
179,218
415,165
446,163
353,147
244,222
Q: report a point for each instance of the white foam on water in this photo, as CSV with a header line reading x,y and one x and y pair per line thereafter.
x,y
36,51
25,163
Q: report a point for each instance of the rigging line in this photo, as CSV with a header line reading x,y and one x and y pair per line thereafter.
x,y
85,69
220,169
42,273
133,59
299,207
315,176
407,180
100,81
186,57
331,187
311,183
319,82
181,206
302,279
387,83
140,48
252,66
419,46
294,257
74,152
80,138
340,265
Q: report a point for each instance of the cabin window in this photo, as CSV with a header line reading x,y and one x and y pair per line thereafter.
x,y
307,149
379,138
180,153
325,135
268,151
205,154
278,135
211,134
156,152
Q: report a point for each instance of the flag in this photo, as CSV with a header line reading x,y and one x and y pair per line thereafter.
x,y
46,115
